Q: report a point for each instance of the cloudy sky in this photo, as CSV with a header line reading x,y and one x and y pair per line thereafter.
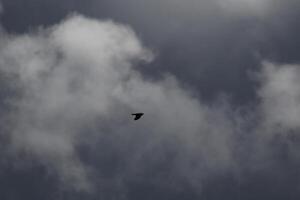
x,y
218,81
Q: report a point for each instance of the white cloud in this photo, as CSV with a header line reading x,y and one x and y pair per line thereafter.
x,y
67,74
280,95
78,74
78,86
278,111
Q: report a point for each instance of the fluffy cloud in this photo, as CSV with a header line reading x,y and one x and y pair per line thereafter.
x,y
67,76
76,85
280,95
278,112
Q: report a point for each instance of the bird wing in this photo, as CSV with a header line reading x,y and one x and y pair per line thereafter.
x,y
137,115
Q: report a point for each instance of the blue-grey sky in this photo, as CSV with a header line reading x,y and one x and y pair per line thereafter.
x,y
218,81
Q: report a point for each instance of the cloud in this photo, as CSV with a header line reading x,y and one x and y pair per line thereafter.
x,y
277,131
280,95
67,75
76,85
246,7
77,77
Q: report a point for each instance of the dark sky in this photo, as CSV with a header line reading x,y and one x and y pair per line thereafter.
x,y
237,62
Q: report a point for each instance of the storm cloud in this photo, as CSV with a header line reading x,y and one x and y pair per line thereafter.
x,y
79,74
217,81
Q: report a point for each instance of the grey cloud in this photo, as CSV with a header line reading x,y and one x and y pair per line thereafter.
x,y
79,74
280,95
249,7
66,74
78,84
197,41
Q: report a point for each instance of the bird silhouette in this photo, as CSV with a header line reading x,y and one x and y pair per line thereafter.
x,y
137,116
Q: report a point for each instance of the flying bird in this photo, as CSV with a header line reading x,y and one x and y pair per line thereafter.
x,y
137,116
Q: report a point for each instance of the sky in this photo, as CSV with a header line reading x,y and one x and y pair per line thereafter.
x,y
218,81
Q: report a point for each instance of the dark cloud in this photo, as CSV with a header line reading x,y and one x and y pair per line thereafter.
x,y
207,44
204,51
194,39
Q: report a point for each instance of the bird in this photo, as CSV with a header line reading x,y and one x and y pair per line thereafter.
x,y
137,116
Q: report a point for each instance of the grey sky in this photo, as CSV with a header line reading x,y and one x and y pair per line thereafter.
x,y
218,81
